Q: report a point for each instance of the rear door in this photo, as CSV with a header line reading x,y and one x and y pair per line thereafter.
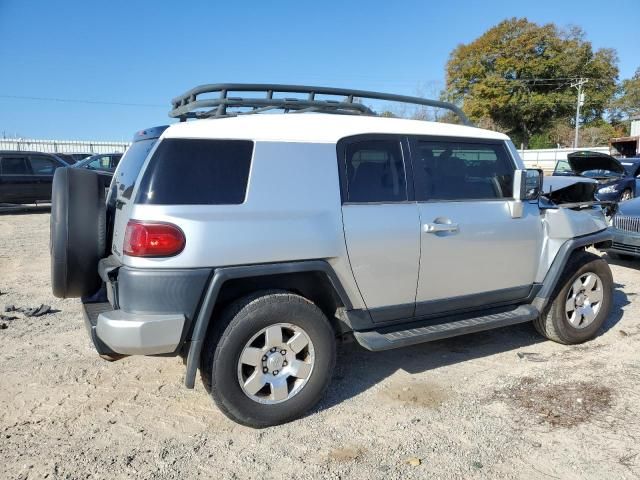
x,y
474,254
16,182
42,168
120,198
381,223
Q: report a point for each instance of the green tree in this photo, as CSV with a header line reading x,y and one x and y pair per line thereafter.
x,y
627,103
519,75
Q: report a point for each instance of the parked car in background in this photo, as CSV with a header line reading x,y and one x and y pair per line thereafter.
x,y
72,158
104,162
616,182
625,227
25,177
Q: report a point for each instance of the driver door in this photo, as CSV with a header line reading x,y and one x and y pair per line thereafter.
x,y
474,254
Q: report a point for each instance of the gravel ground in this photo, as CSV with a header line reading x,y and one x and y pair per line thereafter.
x,y
499,404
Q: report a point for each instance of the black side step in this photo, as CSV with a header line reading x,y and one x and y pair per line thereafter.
x,y
385,339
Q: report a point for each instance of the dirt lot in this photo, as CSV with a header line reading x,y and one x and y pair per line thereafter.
x,y
500,404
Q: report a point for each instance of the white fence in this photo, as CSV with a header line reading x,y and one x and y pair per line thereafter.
x,y
61,146
546,158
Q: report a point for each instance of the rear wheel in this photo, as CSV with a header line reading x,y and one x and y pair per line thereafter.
x,y
581,302
269,358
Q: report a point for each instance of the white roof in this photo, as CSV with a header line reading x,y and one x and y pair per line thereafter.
x,y
316,128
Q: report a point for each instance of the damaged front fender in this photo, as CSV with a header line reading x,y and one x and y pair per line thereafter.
x,y
574,193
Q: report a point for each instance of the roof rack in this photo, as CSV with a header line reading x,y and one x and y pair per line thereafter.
x,y
188,105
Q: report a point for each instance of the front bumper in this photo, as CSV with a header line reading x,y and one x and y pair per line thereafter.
x,y
143,311
624,242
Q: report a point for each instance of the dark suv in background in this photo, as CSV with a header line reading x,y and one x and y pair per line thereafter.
x,y
617,178
25,177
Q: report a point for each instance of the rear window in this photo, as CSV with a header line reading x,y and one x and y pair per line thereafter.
x,y
197,172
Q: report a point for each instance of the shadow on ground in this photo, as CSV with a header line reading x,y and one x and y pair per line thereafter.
x,y
6,209
628,262
357,369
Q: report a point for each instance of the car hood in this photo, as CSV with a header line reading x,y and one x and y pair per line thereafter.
x,y
630,208
555,183
584,161
566,189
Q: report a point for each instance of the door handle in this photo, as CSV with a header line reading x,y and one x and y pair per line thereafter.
x,y
440,227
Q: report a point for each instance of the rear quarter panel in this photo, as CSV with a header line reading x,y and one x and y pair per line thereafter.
x,y
291,212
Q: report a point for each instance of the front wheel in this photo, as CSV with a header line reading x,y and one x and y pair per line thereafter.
x,y
581,303
269,358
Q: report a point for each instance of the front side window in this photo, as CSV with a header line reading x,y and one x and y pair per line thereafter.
x,y
463,171
14,166
375,172
42,166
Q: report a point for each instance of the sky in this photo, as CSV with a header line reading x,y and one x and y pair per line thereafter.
x,y
131,57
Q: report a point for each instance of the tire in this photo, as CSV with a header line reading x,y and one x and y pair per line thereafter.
x,y
555,323
78,231
222,372
626,195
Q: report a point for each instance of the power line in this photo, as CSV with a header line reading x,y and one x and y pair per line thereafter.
x,y
73,100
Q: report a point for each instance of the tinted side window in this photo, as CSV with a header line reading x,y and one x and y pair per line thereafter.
x,y
42,165
463,171
14,166
197,172
375,172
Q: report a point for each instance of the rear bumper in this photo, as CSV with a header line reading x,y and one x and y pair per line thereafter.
x,y
118,332
144,311
626,243
137,334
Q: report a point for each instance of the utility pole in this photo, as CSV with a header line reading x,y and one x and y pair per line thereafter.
x,y
578,84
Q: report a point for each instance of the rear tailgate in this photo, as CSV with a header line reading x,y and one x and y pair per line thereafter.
x,y
120,200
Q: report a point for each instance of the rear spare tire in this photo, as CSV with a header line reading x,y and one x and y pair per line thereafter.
x,y
78,231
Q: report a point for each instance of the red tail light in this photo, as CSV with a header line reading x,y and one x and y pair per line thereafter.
x,y
147,239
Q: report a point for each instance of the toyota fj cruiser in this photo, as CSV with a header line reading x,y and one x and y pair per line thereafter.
x,y
248,243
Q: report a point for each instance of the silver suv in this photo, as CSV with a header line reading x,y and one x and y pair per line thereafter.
x,y
248,243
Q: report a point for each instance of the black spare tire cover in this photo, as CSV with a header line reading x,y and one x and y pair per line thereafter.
x,y
78,231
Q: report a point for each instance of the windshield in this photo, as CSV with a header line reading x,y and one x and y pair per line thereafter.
x,y
600,173
83,163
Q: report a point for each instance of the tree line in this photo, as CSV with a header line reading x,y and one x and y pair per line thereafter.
x,y
520,78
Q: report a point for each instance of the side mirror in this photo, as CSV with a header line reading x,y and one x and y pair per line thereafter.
x,y
527,184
